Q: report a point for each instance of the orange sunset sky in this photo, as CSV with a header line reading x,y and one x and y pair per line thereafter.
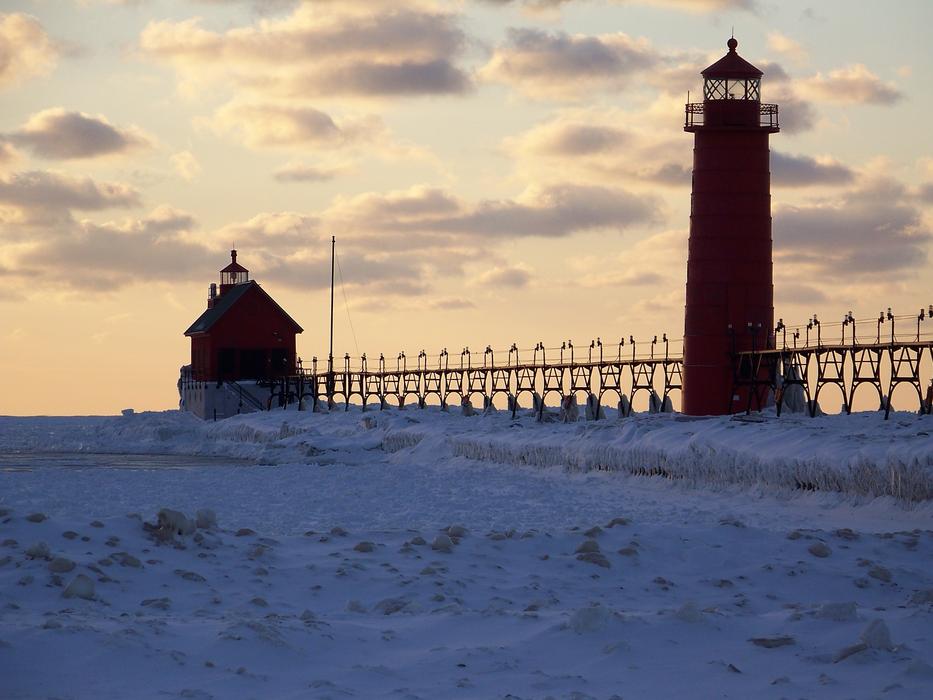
x,y
495,171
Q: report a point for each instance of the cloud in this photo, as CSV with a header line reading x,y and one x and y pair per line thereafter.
x,y
39,196
299,172
700,5
393,244
795,113
60,134
452,304
164,246
292,249
366,273
323,50
591,144
433,233
549,212
692,6
186,165
925,193
393,210
580,139
281,233
103,257
260,125
403,79
549,64
868,232
656,262
925,166
637,278
791,292
854,84
786,46
8,154
25,49
512,277
558,65
311,34
789,170
620,278
260,6
774,72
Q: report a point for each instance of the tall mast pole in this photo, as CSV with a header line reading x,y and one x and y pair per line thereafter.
x,y
330,354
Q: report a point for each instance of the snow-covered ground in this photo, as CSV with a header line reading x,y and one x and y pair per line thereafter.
x,y
758,559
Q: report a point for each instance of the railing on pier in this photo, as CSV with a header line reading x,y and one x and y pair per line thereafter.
x,y
789,367
623,372
892,355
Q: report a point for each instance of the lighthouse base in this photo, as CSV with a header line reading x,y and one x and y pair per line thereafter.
x,y
216,400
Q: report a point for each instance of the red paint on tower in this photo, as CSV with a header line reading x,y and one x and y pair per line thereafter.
x,y
730,295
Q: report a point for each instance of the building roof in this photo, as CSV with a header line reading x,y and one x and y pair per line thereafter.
x,y
732,66
226,301
234,266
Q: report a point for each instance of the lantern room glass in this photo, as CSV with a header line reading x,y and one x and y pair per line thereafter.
x,y
232,278
723,89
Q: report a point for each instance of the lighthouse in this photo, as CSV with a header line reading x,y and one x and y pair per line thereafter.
x,y
730,295
241,343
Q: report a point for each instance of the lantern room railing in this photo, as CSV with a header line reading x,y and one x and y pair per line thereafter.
x,y
768,115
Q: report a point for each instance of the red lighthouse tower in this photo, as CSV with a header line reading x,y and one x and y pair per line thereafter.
x,y
730,296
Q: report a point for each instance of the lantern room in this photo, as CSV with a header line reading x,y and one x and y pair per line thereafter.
x,y
732,78
233,274
731,96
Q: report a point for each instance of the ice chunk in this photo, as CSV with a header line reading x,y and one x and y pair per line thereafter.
x,y
837,612
877,636
689,612
589,619
81,587
206,519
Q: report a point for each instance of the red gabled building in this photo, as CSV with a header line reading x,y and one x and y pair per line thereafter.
x,y
243,334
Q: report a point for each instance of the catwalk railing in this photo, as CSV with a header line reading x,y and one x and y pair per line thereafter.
x,y
623,371
790,367
695,115
795,366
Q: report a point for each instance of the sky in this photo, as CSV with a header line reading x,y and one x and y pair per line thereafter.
x,y
494,171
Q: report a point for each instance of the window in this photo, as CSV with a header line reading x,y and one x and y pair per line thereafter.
x,y
715,89
234,278
721,89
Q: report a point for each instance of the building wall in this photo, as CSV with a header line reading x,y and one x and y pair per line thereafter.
x,y
202,363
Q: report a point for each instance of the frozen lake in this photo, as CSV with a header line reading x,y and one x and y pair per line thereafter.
x,y
30,461
320,580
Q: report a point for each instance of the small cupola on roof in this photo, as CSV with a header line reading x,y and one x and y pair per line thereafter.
x,y
233,274
732,78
